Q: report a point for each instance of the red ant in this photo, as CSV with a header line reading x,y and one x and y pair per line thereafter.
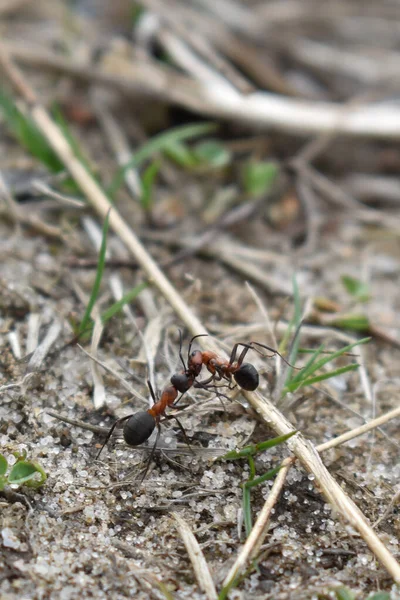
x,y
245,374
139,426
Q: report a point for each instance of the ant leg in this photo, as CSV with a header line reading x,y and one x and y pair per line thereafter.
x,y
216,388
204,383
274,352
179,399
181,429
110,432
220,396
210,386
181,407
151,453
246,348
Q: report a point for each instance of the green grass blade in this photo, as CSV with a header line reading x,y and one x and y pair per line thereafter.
x,y
286,336
3,465
148,179
355,322
266,477
257,448
356,288
248,522
318,378
231,585
312,367
159,143
27,134
126,299
340,352
259,177
179,153
252,467
99,276
212,153
164,590
313,350
307,367
115,308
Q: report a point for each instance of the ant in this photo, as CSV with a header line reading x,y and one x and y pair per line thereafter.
x,y
139,426
244,374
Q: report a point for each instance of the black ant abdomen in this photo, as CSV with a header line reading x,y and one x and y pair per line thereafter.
x,y
247,377
181,382
138,428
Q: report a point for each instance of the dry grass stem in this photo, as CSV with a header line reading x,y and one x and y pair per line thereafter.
x,y
259,109
196,556
96,196
172,15
99,392
132,390
15,344
42,350
379,69
311,461
190,63
18,216
388,510
46,190
32,338
349,435
118,143
268,325
259,531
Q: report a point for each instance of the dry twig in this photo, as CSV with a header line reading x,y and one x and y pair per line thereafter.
x,y
199,563
259,109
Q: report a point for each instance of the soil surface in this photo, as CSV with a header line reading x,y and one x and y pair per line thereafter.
x,y
95,529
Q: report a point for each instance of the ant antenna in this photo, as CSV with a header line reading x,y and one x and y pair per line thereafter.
x,y
152,394
192,340
180,350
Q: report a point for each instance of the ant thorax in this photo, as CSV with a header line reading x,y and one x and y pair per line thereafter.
x,y
213,366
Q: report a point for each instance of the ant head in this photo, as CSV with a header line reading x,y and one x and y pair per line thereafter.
x,y
195,361
247,377
138,428
181,381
